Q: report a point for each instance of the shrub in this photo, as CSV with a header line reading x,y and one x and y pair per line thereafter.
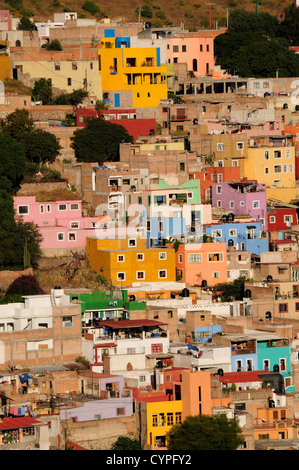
x,y
25,285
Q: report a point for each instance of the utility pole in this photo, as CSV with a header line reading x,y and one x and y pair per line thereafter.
x,y
210,13
257,5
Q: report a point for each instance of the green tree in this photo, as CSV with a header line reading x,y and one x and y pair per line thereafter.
x,y
40,146
53,45
205,432
231,290
126,443
12,163
99,141
145,11
289,27
253,46
73,99
26,24
17,123
42,91
91,7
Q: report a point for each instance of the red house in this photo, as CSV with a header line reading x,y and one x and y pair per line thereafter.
x,y
124,117
280,219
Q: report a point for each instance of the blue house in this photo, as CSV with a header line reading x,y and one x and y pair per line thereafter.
x,y
247,236
161,228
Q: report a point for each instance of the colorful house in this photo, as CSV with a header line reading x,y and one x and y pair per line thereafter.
x,y
247,236
212,175
201,263
60,223
125,261
244,197
123,117
274,167
131,76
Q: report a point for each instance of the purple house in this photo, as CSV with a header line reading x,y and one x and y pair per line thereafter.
x,y
244,197
100,409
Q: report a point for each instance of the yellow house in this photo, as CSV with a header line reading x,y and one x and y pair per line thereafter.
x,y
66,75
273,166
131,76
4,61
123,261
161,416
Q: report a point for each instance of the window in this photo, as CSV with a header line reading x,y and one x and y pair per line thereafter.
x,y
283,307
74,206
194,258
235,163
60,236
217,233
232,232
184,48
180,258
277,153
132,242
57,66
42,209
256,204
162,274
69,82
231,204
266,155
290,168
272,219
216,275
175,48
23,209
121,276
74,66
288,153
161,419
120,258
74,224
282,364
220,147
120,411
266,170
277,168
72,236
178,417
140,275
240,145
62,207
67,321
288,220
182,166
155,420
161,226
266,363
169,419
157,348
163,255
140,257
215,257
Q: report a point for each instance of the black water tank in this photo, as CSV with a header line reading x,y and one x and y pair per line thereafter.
x,y
185,292
276,368
269,278
204,283
220,372
230,242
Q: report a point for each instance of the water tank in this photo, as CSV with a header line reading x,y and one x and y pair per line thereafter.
x,y
230,242
276,368
269,278
204,283
230,217
195,121
247,293
185,292
220,372
224,218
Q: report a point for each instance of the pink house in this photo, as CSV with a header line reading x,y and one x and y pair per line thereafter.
x,y
193,49
5,20
60,223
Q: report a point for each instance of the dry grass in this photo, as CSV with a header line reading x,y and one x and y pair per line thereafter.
x,y
189,12
16,87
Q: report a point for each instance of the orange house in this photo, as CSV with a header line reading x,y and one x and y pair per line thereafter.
x,y
214,175
198,262
273,423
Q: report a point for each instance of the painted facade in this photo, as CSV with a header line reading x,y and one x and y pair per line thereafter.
x,y
60,223
245,197
198,262
247,236
131,76
125,261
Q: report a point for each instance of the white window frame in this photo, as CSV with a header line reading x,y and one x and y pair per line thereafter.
x,y
62,239
287,153
74,234
218,189
74,204
76,222
233,232
60,207
256,202
143,275
23,213
159,273
118,278
162,255
240,145
267,154
231,204
220,146
272,219
216,230
132,240
139,256
119,260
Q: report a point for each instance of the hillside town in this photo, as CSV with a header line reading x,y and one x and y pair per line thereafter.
x,y
168,264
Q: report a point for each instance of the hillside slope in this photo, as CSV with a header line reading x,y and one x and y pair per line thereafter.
x,y
189,12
